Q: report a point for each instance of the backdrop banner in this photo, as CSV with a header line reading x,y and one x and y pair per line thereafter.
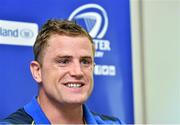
x,y
108,22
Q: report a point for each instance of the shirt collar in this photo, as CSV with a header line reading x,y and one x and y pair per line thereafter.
x,y
34,110
90,119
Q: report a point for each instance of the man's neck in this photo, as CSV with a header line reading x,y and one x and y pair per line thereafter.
x,y
61,114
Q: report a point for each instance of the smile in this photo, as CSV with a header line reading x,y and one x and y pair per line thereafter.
x,y
74,85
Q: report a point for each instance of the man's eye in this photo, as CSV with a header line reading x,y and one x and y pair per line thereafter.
x,y
63,61
86,62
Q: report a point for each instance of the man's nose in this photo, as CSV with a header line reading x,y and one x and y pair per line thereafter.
x,y
76,70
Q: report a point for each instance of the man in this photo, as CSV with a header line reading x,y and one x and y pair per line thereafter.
x,y
63,68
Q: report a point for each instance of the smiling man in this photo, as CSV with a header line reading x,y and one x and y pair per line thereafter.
x,y
63,68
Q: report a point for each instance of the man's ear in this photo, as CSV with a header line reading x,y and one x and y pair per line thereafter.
x,y
35,68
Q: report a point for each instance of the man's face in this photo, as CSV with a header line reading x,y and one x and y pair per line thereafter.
x,y
66,73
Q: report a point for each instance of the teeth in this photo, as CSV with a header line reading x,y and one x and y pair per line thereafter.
x,y
73,85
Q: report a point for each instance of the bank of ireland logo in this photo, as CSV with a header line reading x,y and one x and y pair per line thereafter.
x,y
18,33
94,19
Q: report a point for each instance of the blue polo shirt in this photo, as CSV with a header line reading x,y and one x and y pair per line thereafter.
x,y
34,110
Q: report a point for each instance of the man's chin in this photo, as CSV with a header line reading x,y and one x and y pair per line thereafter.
x,y
76,102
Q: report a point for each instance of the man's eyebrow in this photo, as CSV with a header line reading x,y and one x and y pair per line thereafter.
x,y
89,57
63,56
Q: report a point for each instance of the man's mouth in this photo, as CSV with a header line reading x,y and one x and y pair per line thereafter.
x,y
74,85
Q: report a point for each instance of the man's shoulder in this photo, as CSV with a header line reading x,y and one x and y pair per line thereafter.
x,y
18,117
106,119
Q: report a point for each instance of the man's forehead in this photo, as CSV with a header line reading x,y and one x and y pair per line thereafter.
x,y
62,36
68,41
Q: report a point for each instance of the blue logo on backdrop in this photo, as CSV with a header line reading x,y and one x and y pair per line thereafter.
x,y
93,16
94,19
